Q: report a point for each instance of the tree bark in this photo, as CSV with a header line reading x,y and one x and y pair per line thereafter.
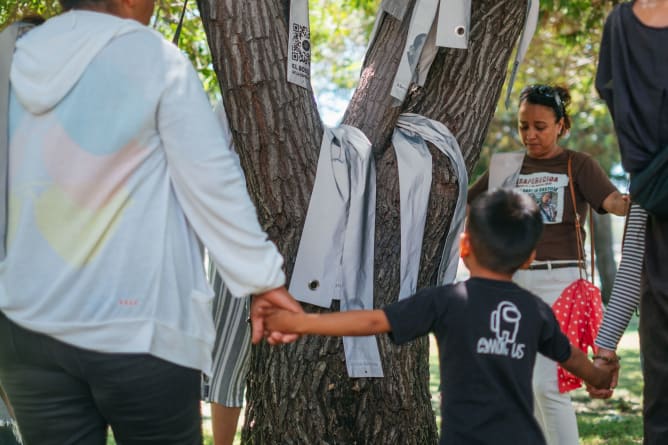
x,y
301,393
605,256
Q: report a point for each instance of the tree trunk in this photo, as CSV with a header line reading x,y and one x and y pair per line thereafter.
x,y
605,256
300,393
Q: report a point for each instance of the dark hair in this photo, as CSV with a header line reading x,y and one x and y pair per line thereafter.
x,y
504,226
74,4
555,97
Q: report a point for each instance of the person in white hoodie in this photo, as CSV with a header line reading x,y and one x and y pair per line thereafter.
x,y
117,166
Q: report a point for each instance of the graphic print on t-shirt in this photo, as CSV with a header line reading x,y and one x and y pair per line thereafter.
x,y
547,189
504,323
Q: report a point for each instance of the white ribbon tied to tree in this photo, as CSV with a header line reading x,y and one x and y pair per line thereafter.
x,y
451,29
414,131
336,250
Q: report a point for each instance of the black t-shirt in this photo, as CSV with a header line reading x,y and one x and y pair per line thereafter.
x,y
488,335
632,78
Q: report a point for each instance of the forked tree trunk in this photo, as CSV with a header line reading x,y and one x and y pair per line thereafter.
x,y
300,393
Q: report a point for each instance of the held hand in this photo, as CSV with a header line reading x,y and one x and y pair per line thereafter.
x,y
608,361
282,320
606,358
599,393
261,304
617,204
626,199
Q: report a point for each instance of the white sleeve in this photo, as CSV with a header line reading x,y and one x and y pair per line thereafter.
x,y
210,186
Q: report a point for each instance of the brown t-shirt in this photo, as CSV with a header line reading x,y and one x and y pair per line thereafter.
x,y
546,180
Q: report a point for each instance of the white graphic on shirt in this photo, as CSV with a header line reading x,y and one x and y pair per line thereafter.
x,y
548,190
504,323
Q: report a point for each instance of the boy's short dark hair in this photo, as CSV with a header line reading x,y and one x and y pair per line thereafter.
x,y
504,226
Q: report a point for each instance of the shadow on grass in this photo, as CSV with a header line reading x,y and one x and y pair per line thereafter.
x,y
617,421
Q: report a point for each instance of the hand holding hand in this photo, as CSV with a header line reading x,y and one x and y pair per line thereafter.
x,y
617,204
261,305
282,320
599,393
627,204
606,360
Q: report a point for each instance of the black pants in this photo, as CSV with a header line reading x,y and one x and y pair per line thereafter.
x,y
65,395
654,333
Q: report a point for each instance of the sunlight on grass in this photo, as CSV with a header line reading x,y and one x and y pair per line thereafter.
x,y
617,421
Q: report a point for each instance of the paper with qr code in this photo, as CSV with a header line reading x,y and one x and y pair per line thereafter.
x,y
299,45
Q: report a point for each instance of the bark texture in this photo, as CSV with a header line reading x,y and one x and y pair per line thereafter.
x,y
300,393
605,255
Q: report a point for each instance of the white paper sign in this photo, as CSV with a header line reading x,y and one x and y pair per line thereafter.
x,y
454,21
299,45
418,30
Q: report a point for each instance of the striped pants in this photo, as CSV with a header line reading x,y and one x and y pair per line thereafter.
x,y
231,350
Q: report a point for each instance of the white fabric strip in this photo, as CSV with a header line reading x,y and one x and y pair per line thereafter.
x,y
504,169
439,135
396,8
335,256
427,57
530,24
452,30
454,21
415,172
422,19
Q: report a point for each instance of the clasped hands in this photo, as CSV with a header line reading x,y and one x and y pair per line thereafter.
x,y
265,303
605,359
261,305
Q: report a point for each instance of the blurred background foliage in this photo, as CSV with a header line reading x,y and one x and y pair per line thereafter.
x,y
165,20
564,52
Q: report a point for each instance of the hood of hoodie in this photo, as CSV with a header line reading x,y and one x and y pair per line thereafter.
x,y
50,59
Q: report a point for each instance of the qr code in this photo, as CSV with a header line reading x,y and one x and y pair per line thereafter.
x,y
301,44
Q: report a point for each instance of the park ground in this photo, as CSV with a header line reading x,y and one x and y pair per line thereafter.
x,y
617,421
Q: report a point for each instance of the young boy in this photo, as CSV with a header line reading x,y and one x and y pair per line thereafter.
x,y
489,330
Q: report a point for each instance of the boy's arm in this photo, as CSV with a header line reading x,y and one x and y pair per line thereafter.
x,y
579,365
350,323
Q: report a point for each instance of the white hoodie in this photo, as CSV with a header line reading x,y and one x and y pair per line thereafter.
x,y
117,165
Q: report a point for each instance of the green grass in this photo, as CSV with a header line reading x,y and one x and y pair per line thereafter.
x,y
617,421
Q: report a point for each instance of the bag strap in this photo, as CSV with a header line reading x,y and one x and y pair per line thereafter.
x,y
7,43
578,227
